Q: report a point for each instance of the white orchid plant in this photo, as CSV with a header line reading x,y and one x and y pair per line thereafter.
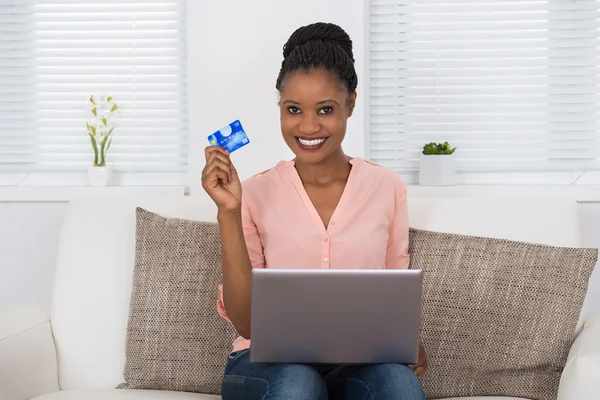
x,y
101,126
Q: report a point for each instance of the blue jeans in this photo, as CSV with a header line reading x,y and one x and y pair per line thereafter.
x,y
246,381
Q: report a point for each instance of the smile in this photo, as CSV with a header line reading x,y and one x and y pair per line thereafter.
x,y
311,142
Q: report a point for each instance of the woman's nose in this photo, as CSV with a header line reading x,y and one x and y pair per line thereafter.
x,y
309,124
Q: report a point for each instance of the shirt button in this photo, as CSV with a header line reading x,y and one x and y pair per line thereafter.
x,y
326,259
326,240
332,223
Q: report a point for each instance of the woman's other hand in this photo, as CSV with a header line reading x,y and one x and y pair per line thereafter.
x,y
421,366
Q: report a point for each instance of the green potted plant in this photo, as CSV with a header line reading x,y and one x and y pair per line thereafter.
x,y
100,128
437,165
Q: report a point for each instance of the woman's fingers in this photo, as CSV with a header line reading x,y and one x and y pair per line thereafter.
x,y
234,173
218,156
216,152
225,165
420,367
217,169
217,163
215,149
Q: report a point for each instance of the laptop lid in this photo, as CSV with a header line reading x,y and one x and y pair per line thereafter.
x,y
335,316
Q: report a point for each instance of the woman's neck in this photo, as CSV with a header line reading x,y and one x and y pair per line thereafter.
x,y
335,168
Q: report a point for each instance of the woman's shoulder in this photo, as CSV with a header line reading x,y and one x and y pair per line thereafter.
x,y
265,181
266,176
379,174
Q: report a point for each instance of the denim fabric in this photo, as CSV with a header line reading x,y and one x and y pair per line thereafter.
x,y
246,381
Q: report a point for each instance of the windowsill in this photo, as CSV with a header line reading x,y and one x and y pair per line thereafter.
x,y
579,193
68,193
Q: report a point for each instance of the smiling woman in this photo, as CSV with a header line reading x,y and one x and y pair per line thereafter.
x,y
322,210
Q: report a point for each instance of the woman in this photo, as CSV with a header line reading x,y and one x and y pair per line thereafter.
x,y
323,209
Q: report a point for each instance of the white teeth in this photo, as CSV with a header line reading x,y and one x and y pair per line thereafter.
x,y
314,142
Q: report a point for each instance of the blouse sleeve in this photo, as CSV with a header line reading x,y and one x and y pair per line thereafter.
x,y
255,251
397,251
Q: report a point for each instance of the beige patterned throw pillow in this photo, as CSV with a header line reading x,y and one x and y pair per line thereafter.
x,y
175,338
498,316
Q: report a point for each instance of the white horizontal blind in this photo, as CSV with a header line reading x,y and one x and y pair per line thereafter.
x,y
55,54
514,84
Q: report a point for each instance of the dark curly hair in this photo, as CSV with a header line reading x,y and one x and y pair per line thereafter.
x,y
320,45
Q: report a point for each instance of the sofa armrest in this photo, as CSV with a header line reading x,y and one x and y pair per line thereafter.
x,y
581,377
28,366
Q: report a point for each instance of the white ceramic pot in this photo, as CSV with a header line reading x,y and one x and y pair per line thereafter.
x,y
437,170
99,176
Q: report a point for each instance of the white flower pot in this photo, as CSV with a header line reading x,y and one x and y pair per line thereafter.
x,y
437,170
99,176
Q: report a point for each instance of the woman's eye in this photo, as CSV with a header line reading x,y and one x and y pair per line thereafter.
x,y
293,110
326,110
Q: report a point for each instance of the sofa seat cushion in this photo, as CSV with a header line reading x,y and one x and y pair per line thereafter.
x,y
118,394
166,395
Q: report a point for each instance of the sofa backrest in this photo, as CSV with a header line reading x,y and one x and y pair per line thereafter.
x,y
529,219
90,303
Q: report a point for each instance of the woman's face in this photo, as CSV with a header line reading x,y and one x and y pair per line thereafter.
x,y
314,110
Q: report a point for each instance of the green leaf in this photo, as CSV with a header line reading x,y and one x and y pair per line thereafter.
x,y
110,141
438,149
429,149
103,143
95,146
103,148
107,147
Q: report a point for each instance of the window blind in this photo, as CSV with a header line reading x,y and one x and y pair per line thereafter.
x,y
55,54
514,84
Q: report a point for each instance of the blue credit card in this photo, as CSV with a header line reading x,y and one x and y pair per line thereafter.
x,y
231,137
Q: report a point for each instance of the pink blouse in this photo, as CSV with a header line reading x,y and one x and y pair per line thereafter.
x,y
368,229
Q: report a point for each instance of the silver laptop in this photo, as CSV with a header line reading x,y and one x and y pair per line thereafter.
x,y
335,316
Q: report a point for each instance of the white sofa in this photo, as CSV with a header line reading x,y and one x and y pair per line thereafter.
x,y
75,350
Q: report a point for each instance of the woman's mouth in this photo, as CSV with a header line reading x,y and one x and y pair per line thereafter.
x,y
311,144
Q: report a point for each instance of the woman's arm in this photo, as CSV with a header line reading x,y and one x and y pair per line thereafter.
x,y
397,253
397,250
238,235
241,250
236,271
